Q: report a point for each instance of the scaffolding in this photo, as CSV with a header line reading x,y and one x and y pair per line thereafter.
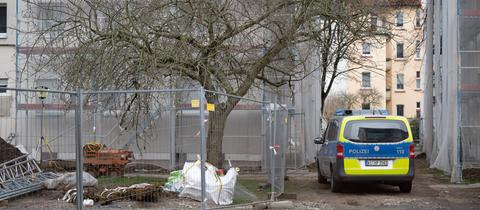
x,y
21,175
456,146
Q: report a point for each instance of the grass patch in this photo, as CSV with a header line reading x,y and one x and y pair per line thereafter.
x,y
471,181
110,182
471,175
246,191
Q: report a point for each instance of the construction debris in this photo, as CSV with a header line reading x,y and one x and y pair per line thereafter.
x,y
219,188
8,151
174,182
100,160
70,196
68,181
137,192
20,176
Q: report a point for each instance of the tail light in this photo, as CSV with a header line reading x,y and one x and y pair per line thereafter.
x,y
411,150
339,151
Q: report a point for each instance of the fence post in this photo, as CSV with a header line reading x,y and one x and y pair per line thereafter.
x,y
203,145
274,135
173,118
78,148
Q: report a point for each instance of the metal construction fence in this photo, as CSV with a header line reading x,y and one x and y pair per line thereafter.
x,y
137,138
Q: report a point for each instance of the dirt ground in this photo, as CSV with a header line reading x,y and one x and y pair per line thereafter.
x,y
431,190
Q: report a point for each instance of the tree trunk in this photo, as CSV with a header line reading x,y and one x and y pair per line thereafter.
x,y
216,126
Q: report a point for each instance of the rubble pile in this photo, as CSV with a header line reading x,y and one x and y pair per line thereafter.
x,y
138,192
8,151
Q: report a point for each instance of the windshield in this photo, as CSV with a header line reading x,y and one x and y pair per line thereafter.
x,y
375,131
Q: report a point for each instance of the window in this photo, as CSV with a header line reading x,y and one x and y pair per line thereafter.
x,y
374,22
399,109
400,82
366,79
49,14
366,48
417,49
3,83
399,19
366,106
332,131
418,19
3,20
375,130
417,81
418,110
399,50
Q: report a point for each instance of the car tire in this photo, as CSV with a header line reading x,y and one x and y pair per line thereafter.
x,y
335,185
321,179
405,187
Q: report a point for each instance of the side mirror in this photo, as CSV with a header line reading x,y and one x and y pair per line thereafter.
x,y
319,140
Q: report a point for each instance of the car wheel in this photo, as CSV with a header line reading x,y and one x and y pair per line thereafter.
x,y
405,187
321,179
335,185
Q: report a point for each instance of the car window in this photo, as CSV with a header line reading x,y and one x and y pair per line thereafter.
x,y
332,131
375,131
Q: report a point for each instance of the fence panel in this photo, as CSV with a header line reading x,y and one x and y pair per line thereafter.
x,y
131,141
37,143
246,142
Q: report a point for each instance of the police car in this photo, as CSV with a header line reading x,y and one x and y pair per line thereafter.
x,y
366,147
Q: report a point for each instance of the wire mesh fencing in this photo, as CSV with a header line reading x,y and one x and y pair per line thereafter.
x,y
37,137
144,145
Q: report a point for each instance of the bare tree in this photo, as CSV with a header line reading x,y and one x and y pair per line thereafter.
x,y
349,24
220,45
340,100
372,97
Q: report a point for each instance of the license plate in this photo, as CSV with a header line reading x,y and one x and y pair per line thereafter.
x,y
376,162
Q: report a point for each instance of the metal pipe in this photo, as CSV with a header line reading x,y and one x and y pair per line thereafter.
x,y
36,90
238,97
272,197
78,149
203,147
137,91
41,133
458,144
428,94
17,71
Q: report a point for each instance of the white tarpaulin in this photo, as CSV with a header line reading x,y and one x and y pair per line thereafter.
x,y
456,144
219,189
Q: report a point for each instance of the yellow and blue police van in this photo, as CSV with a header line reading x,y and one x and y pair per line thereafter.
x,y
372,147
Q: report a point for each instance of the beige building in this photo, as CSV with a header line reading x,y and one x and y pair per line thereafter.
x,y
394,63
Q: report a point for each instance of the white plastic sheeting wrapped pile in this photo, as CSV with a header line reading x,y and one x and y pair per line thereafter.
x,y
219,189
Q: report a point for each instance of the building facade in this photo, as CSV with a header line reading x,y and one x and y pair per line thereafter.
x,y
7,54
392,77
